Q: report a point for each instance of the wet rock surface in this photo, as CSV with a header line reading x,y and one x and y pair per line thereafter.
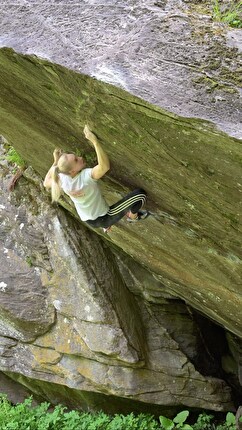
x,y
170,53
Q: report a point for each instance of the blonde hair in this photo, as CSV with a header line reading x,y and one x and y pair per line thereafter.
x,y
63,166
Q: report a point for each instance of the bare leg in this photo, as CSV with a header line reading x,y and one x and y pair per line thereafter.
x,y
131,215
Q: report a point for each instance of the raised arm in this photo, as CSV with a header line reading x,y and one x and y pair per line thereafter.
x,y
103,161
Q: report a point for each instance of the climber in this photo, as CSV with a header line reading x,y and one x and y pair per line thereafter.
x,y
69,173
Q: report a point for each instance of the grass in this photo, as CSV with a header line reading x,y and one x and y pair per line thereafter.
x,y
230,14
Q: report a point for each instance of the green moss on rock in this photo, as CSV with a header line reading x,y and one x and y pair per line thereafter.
x,y
45,105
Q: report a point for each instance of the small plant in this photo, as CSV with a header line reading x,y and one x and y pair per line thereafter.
x,y
29,261
229,423
19,165
14,158
230,419
231,14
177,423
204,422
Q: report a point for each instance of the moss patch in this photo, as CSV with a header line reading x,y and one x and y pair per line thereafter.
x,y
191,172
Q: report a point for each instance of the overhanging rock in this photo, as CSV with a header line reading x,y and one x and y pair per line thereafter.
x,y
191,172
171,53
105,340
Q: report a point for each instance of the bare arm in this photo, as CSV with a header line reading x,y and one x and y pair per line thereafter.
x,y
48,177
103,161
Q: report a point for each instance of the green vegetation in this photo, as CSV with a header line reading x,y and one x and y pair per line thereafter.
x,y
230,14
25,417
177,423
29,261
89,156
14,158
204,422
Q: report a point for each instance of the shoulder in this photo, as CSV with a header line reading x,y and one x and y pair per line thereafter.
x,y
86,175
63,177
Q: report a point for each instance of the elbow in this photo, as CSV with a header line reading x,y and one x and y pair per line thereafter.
x,y
47,184
107,167
103,171
104,168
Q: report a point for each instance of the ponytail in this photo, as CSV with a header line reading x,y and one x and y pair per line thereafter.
x,y
55,185
62,166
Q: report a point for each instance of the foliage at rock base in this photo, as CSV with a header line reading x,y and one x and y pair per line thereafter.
x,y
25,417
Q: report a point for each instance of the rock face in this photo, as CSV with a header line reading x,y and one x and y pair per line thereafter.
x,y
171,53
72,314
192,240
112,322
149,317
117,315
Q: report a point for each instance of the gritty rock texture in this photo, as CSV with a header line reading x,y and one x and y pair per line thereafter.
x,y
103,338
192,241
15,391
171,53
116,315
112,322
25,313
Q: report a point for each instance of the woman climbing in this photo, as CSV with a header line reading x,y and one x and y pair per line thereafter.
x,y
69,173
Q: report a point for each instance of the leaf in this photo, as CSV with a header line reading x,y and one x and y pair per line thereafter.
x,y
181,417
186,427
166,423
230,419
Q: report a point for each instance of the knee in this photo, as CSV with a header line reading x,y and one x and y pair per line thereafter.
x,y
141,191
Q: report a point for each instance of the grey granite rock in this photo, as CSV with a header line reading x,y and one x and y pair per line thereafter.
x,y
170,53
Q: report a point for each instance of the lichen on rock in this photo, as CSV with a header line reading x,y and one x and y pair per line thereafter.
x,y
88,317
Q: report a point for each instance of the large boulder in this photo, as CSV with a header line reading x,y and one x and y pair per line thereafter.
x,y
191,172
171,53
124,316
99,326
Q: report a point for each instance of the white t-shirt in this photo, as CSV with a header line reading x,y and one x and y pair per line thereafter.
x,y
92,204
